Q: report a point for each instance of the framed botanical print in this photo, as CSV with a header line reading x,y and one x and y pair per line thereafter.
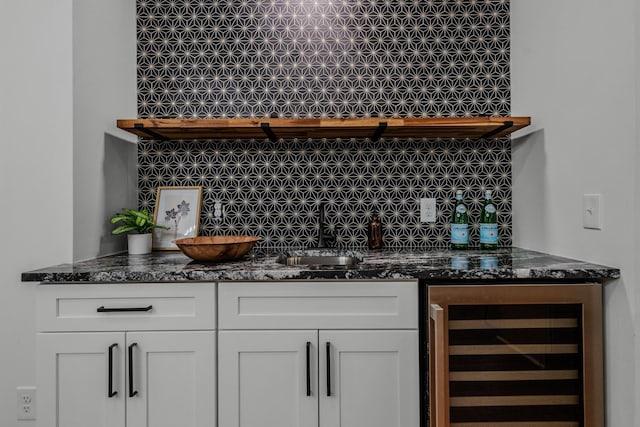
x,y
177,208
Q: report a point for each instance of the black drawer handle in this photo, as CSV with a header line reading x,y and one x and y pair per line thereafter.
x,y
104,309
111,392
132,392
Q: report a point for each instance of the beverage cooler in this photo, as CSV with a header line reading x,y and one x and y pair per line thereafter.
x,y
513,355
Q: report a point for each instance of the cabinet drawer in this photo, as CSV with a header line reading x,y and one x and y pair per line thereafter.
x,y
115,307
318,304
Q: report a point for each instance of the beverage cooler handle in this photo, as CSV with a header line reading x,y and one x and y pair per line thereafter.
x,y
440,394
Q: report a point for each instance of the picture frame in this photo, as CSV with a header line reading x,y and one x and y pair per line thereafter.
x,y
179,209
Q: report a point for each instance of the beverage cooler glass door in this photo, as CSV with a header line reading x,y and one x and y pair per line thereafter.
x,y
515,355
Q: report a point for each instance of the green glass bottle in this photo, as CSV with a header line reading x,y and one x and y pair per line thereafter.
x,y
488,224
460,224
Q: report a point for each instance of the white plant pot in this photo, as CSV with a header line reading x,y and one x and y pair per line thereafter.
x,y
139,244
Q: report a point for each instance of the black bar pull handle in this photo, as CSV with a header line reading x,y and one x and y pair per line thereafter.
x,y
328,368
111,392
132,392
308,368
104,309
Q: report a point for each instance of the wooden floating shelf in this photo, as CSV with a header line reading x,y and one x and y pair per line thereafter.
x,y
373,128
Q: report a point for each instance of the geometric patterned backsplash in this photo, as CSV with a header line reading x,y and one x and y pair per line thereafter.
x,y
327,58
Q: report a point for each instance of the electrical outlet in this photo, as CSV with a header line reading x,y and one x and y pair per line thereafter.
x,y
218,210
26,403
427,210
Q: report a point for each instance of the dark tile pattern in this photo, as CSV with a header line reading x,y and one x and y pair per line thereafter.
x,y
326,58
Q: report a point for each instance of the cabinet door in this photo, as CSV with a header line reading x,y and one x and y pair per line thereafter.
x,y
79,384
369,379
516,355
267,378
171,379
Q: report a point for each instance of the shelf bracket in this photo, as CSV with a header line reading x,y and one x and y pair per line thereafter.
x,y
382,126
497,130
266,127
152,134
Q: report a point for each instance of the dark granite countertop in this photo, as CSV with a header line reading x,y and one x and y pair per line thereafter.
x,y
441,265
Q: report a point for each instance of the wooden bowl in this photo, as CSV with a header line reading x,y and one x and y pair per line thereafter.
x,y
216,248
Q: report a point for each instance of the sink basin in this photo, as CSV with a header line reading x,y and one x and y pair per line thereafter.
x,y
320,261
321,258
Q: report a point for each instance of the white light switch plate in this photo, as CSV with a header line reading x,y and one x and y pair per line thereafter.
x,y
427,210
592,211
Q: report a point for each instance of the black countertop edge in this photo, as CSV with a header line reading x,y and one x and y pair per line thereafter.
x,y
426,265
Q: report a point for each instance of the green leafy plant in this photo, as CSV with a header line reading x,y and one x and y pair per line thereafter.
x,y
134,220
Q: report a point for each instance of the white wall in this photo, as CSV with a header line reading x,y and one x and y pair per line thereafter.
x,y
104,157
574,70
69,73
636,210
35,174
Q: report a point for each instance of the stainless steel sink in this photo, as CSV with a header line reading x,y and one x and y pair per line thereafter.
x,y
320,261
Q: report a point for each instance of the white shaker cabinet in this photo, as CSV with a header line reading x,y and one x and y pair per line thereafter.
x,y
73,380
368,378
298,354
102,362
174,377
264,378
327,354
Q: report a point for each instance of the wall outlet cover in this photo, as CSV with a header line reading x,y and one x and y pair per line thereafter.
x,y
428,210
25,403
218,210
